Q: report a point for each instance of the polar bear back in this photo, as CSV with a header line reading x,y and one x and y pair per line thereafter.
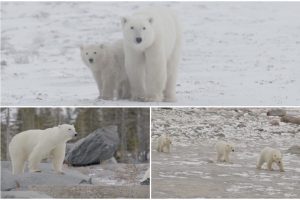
x,y
25,142
267,153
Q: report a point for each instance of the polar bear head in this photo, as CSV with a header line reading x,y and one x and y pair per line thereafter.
x,y
277,157
230,148
93,55
138,31
67,132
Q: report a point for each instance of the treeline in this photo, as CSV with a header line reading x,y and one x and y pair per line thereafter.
x,y
133,125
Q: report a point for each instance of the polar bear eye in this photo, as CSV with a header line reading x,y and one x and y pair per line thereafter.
x,y
132,28
69,129
95,52
87,53
144,28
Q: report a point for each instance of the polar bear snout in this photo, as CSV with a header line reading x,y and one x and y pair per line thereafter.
x,y
138,40
91,60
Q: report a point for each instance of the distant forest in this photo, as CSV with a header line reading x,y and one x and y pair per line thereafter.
x,y
133,125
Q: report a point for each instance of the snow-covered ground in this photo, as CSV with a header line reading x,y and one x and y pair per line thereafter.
x,y
191,170
233,53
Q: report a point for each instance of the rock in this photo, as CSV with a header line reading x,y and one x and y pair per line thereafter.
x,y
46,177
274,122
290,119
112,160
294,149
146,182
24,195
96,147
276,112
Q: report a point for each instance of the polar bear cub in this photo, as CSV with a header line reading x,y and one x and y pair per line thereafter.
x,y
35,145
152,45
163,143
107,65
223,150
270,155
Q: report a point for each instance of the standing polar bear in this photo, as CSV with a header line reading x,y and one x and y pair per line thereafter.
x,y
223,150
163,143
107,65
35,145
270,155
152,43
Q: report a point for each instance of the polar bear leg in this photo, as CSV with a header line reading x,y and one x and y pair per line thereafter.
x,y
219,157
260,162
97,77
35,158
269,165
156,74
58,157
168,148
18,165
109,85
135,70
226,157
172,70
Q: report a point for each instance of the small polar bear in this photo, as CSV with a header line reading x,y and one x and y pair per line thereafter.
x,y
152,45
270,155
36,145
223,150
107,65
163,143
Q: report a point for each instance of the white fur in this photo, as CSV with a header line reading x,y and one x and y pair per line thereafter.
x,y
223,150
108,69
270,155
35,145
152,64
163,143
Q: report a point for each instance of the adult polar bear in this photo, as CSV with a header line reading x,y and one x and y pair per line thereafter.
x,y
152,43
35,145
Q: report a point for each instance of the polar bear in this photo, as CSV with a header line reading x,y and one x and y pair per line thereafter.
x,y
270,155
152,43
223,150
163,143
107,65
35,145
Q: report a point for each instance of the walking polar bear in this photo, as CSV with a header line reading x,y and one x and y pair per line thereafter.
x,y
35,145
107,65
270,155
223,150
163,143
152,43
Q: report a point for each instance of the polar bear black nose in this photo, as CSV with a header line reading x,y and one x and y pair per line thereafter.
x,y
75,134
91,60
138,40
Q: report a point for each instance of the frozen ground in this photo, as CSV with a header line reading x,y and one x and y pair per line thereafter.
x,y
97,181
191,170
233,53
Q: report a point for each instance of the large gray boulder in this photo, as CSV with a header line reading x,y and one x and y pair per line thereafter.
x,y
96,147
11,182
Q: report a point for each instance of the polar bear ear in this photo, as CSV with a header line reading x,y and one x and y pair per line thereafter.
x,y
102,46
150,20
81,47
124,20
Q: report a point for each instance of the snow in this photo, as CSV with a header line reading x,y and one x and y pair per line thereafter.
x,y
233,53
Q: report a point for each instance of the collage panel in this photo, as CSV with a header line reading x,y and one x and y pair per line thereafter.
x,y
225,153
72,152
176,53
